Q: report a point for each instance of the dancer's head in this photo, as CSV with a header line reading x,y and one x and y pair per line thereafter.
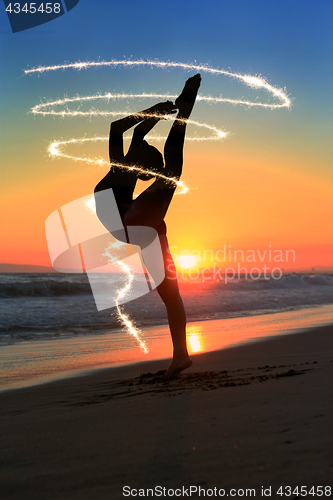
x,y
147,157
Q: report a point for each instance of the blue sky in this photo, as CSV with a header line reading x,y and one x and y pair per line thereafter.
x,y
288,42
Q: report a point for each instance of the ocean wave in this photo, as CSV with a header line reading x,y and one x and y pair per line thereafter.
x,y
46,307
43,289
292,281
12,286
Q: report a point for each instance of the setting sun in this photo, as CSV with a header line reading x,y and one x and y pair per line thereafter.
x,y
187,261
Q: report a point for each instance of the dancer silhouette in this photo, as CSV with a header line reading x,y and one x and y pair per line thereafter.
x,y
150,207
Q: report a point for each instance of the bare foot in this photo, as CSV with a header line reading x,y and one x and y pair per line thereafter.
x,y
186,100
177,366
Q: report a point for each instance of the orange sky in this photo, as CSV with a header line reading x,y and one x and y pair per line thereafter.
x,y
242,198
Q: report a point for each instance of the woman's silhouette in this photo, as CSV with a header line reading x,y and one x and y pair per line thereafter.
x,y
150,207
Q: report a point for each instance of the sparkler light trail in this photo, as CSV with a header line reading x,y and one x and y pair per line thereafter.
x,y
39,109
255,82
124,318
54,150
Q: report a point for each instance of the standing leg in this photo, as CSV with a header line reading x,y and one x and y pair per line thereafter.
x,y
169,293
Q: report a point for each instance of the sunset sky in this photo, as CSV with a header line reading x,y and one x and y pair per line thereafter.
x,y
269,184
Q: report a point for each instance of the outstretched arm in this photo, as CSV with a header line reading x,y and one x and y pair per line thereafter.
x,y
116,143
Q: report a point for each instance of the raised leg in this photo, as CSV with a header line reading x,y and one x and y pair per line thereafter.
x,y
150,207
173,149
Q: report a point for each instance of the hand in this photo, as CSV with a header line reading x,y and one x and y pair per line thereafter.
x,y
163,108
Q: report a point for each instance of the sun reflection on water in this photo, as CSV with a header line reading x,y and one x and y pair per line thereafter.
x,y
195,339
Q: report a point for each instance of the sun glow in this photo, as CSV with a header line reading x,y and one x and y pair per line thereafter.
x,y
187,261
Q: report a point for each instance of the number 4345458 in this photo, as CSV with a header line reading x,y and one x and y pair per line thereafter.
x,y
318,491
31,8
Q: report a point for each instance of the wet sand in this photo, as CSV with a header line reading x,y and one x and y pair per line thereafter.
x,y
243,417
30,362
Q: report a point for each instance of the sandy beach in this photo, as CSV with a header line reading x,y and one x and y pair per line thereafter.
x,y
251,416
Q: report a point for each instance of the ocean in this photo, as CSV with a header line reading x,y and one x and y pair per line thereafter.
x,y
51,306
